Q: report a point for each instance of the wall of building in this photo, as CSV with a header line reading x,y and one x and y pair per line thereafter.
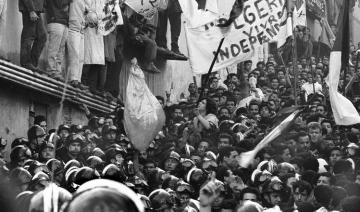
x,y
19,106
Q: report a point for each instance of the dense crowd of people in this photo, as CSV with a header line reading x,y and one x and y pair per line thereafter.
x,y
193,164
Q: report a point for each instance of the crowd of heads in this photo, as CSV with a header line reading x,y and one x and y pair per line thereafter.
x,y
312,165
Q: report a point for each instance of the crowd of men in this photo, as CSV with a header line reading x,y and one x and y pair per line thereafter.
x,y
194,162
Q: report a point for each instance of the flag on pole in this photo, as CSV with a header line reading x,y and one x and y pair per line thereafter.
x,y
258,22
343,110
246,158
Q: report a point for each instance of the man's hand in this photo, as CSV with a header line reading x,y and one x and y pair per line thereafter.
x,y
208,194
196,111
33,16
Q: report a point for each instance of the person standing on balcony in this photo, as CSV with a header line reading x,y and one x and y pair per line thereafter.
x,y
2,25
94,53
173,13
79,9
57,12
33,36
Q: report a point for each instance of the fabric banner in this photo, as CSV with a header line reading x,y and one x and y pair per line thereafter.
x,y
246,158
343,110
147,8
112,17
299,14
259,23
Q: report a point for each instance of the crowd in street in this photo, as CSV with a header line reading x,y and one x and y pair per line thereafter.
x,y
193,164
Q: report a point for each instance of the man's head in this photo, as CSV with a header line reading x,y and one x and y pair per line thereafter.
x,y
302,191
225,139
177,112
249,194
41,121
172,162
253,108
228,157
63,131
314,130
326,125
335,155
248,65
36,136
203,147
324,179
272,192
303,140
321,109
74,143
230,104
109,133
192,88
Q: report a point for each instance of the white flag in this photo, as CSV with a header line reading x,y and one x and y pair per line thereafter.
x,y
299,14
259,23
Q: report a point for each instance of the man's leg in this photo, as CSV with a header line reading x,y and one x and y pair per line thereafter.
x,y
27,38
102,73
2,25
61,54
39,42
56,34
175,26
73,46
162,29
149,54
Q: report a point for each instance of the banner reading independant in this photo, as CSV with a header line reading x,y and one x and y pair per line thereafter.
x,y
260,22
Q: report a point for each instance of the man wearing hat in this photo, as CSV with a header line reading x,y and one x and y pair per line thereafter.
x,y
172,162
183,193
115,155
73,146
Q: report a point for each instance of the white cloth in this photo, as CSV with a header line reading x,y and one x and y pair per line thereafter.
x,y
343,110
94,52
143,114
309,89
245,102
76,14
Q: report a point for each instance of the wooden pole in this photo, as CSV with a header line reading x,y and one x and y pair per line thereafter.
x,y
295,69
207,76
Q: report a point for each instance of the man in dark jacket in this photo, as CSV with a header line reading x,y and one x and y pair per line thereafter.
x,y
33,36
173,13
57,12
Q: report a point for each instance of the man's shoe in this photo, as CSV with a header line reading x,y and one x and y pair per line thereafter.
x,y
31,67
177,51
77,84
56,75
151,68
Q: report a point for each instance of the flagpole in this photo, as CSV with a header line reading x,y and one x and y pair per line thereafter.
x,y
345,55
210,69
294,68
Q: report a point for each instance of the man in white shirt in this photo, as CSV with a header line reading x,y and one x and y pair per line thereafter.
x,y
309,88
